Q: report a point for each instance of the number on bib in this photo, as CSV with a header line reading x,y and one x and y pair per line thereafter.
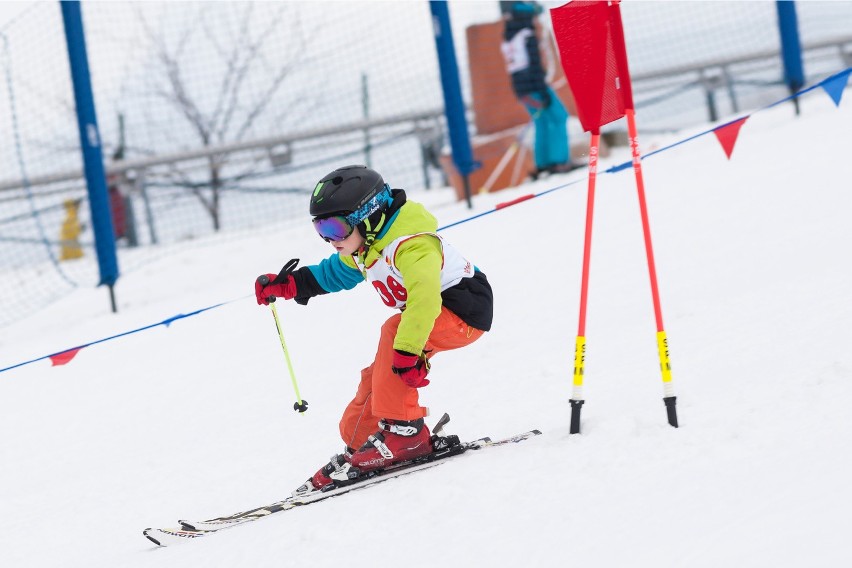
x,y
391,293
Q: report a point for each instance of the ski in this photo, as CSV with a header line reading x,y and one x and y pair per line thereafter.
x,y
190,530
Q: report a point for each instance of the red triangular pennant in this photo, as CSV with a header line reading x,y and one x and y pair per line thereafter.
x,y
64,357
727,135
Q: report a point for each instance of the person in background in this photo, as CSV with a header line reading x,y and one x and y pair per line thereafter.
x,y
444,303
118,208
523,61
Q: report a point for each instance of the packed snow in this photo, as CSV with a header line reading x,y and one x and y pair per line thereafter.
x,y
195,420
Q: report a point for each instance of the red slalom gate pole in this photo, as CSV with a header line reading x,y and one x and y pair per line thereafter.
x,y
590,36
580,346
669,398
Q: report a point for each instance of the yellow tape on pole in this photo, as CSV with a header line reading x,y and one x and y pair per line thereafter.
x,y
665,364
579,361
669,397
577,392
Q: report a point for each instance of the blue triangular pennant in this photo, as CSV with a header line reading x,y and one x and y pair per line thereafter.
x,y
834,86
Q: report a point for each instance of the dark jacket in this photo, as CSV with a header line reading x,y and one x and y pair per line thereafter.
x,y
520,45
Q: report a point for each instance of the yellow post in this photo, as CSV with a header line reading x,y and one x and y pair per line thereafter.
x,y
69,234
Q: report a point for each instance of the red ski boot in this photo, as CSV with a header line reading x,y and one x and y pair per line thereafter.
x,y
398,440
337,470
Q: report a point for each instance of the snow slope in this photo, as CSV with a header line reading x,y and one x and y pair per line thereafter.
x,y
194,420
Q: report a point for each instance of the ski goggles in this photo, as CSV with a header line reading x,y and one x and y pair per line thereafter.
x,y
334,228
339,227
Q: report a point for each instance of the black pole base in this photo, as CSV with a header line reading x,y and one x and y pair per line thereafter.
x,y
671,409
576,407
112,303
794,88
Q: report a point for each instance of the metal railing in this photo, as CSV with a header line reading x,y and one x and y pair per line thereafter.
x,y
711,76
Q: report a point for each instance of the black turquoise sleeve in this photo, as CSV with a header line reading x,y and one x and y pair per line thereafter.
x,y
306,285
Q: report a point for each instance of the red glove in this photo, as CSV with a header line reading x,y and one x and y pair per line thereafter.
x,y
265,291
412,369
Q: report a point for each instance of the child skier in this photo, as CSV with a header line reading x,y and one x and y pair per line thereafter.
x,y
445,303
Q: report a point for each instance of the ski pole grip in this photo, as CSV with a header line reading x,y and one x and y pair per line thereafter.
x,y
263,280
282,277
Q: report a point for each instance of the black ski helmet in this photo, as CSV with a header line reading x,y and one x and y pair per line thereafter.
x,y
345,190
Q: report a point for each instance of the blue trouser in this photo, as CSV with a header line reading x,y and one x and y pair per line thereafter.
x,y
551,131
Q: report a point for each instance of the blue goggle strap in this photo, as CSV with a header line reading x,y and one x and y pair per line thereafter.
x,y
381,199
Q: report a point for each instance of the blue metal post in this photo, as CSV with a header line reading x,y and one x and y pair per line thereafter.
x,y
791,48
90,145
453,103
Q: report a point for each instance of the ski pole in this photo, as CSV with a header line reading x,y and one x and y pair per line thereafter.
x,y
300,405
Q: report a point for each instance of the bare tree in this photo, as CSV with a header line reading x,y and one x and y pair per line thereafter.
x,y
244,91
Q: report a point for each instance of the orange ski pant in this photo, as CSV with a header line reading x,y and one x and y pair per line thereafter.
x,y
382,394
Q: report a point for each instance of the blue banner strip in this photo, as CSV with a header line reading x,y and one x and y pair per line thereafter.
x,y
166,322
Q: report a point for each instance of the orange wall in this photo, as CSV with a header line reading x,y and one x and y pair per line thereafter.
x,y
494,103
498,116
